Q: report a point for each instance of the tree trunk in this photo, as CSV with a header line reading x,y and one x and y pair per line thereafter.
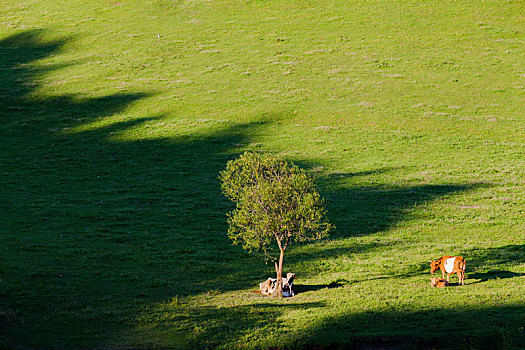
x,y
278,291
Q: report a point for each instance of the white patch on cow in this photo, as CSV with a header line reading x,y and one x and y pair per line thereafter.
x,y
449,265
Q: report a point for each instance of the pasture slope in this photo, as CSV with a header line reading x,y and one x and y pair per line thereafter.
x,y
117,116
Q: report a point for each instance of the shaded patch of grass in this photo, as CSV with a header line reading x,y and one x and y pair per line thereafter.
x,y
422,329
138,235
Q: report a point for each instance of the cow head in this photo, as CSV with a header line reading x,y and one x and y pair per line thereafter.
x,y
434,266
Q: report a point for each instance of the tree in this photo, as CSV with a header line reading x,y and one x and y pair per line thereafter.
x,y
276,202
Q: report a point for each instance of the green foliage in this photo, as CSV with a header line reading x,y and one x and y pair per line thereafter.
x,y
275,200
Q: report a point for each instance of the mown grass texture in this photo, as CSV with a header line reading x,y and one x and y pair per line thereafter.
x,y
118,116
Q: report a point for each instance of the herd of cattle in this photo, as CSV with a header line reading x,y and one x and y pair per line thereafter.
x,y
447,264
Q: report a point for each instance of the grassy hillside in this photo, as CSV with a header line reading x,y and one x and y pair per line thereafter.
x,y
116,118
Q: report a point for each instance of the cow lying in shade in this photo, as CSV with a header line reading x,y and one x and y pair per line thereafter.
x,y
450,265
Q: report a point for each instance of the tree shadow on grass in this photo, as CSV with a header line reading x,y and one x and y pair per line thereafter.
x,y
367,210
484,264
96,229
483,327
26,113
512,254
361,211
303,288
493,275
486,327
209,327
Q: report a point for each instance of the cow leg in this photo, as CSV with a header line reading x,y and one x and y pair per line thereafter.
x,y
448,277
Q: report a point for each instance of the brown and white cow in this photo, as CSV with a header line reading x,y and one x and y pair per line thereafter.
x,y
450,265
438,282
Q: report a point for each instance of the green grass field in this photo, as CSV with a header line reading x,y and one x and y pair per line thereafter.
x,y
116,118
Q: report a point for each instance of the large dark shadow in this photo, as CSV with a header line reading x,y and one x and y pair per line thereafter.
x,y
94,230
95,227
303,288
357,211
223,326
25,112
479,258
492,275
484,264
485,327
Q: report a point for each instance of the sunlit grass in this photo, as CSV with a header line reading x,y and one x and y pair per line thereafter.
x,y
118,116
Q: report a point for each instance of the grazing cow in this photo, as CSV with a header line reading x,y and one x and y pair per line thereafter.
x,y
438,282
450,265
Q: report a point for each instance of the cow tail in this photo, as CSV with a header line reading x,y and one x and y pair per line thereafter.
x,y
463,272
